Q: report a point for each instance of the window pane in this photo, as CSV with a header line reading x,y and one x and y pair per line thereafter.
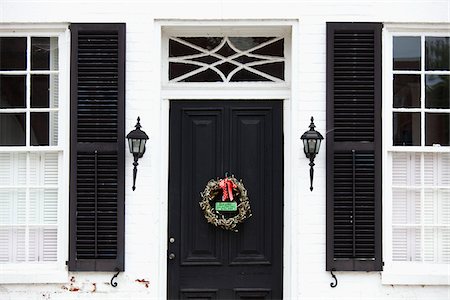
x,y
406,53
5,241
43,206
49,244
40,88
406,91
406,244
406,129
13,53
12,129
275,49
44,53
39,129
437,91
12,91
19,244
205,76
246,43
444,206
12,206
437,245
44,128
244,75
43,169
406,206
437,129
437,52
437,169
13,168
272,69
177,49
406,169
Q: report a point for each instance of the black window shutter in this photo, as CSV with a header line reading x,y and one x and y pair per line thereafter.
x,y
354,146
97,196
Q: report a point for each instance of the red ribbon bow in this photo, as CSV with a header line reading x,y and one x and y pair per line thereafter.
x,y
227,187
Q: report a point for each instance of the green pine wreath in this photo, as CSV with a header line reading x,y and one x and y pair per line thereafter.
x,y
212,191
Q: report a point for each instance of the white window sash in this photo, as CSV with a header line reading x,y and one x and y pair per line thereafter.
x,y
46,272
406,272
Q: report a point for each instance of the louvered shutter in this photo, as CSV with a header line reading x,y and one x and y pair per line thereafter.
x,y
97,147
354,146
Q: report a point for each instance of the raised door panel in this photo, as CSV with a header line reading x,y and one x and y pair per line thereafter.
x,y
202,144
251,160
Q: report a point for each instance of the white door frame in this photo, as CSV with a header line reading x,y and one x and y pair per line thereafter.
x,y
288,92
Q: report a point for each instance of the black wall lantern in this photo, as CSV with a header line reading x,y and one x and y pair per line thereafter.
x,y
136,141
311,146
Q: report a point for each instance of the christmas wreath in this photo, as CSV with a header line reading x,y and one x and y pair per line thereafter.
x,y
226,213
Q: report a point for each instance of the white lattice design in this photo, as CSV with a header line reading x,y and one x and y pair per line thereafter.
x,y
241,56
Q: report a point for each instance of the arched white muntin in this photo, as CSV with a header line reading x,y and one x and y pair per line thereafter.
x,y
286,90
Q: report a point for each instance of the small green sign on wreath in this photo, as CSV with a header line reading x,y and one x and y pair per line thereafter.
x,y
229,195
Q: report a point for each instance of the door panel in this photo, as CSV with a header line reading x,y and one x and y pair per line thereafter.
x,y
208,139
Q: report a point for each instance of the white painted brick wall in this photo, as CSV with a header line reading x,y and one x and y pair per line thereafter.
x,y
146,208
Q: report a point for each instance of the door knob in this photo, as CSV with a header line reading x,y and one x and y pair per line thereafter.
x,y
171,256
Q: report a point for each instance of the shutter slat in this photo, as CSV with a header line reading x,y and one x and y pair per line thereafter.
x,y
97,183
353,152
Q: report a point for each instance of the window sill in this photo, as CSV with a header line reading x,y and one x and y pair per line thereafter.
x,y
32,274
415,274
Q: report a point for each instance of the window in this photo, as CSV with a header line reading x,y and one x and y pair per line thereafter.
x,y
33,183
226,58
417,139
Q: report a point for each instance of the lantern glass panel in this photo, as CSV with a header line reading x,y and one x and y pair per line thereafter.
x,y
305,145
318,146
130,145
312,146
135,145
142,146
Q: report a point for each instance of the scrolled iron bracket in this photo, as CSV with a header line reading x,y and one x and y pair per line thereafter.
x,y
113,282
333,284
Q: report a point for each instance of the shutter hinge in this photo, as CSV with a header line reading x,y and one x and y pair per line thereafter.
x,y
67,262
382,263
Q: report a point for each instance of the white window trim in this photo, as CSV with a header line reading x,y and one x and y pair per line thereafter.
x,y
395,272
288,92
48,272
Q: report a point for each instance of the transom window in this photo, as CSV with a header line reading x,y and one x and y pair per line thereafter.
x,y
30,149
419,152
226,59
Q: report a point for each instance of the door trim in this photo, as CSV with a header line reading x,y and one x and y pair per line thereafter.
x,y
292,144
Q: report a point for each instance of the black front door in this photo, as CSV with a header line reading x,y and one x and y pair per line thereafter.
x,y
208,139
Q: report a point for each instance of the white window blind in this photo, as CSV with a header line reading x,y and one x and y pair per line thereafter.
x,y
421,207
28,206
